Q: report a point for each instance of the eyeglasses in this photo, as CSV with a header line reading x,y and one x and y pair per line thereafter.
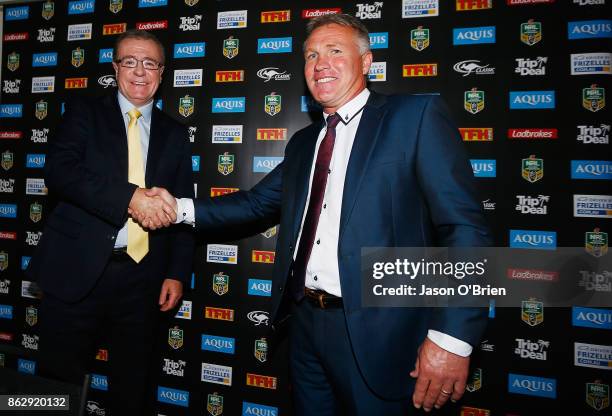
x,y
132,62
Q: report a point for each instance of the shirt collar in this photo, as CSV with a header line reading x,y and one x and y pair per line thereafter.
x,y
353,107
126,106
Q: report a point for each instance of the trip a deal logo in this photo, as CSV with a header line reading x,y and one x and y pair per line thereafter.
x,y
532,239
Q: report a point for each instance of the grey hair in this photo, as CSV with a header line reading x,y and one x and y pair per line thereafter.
x,y
142,35
342,19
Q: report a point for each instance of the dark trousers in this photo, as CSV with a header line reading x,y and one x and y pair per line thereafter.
x,y
326,380
123,302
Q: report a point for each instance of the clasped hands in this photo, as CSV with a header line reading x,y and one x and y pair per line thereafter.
x,y
153,208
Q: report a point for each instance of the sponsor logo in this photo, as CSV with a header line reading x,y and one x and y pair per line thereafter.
x,y
17,13
81,6
236,19
102,354
592,318
10,110
532,386
463,5
254,409
488,205
594,206
537,133
258,287
190,23
473,35
532,169
214,404
7,160
115,6
419,8
44,59
217,374
99,382
474,411
475,381
26,366
218,344
184,311
29,290
271,134
8,211
7,235
591,63
186,105
259,317
5,284
531,32
258,380
5,336
593,356
222,191
531,239
35,160
532,312
175,337
12,61
378,72
260,256
591,169
366,11
11,86
222,253
522,2
274,45
114,29
220,314
596,242
172,396
48,10
589,29
597,395
191,131
484,168
231,47
191,3
537,205
270,232
593,98
220,283
310,13
276,16
94,408
188,77
227,133
225,163
473,66
6,312
229,76
35,186
190,50
590,2
272,104
594,134
107,81
43,84
174,368
195,163
532,100
419,38
79,32
474,100
31,315
106,56
32,238
379,40
595,282
420,70
155,25
74,83
10,134
476,134
7,186
273,73
77,57
532,275
152,3
4,260
13,37
35,211
228,104
531,67
533,350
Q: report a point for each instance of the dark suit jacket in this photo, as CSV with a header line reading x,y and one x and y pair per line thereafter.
x,y
87,169
408,184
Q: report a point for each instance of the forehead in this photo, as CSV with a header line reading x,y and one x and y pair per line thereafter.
x,y
136,47
332,34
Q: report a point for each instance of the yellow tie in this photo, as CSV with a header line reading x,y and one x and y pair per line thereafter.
x,y
138,239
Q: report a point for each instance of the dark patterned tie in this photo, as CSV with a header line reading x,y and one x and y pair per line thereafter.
x,y
317,191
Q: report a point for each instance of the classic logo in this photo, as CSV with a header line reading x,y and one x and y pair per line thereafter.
x,y
218,344
81,6
228,104
537,133
476,134
474,35
227,133
173,396
474,100
155,25
190,50
484,168
73,83
419,8
532,100
533,350
378,72
231,47
7,186
48,10
591,63
272,134
188,78
236,19
217,374
276,16
35,211
258,287
7,160
115,6
17,13
532,275
77,57
473,66
463,5
12,61
44,59
594,134
14,37
214,404
174,368
593,356
591,169
11,86
186,105
260,256
531,32
592,318
185,309
379,40
419,38
532,386
222,191
537,205
259,317
220,283
265,164
31,315
310,13
596,243
257,380
420,70
175,337
105,56
114,29
598,395
589,29
532,169
79,32
531,239
366,11
229,76
190,23
532,312
152,3
261,350
225,163
46,35
220,314
10,134
272,104
273,73
41,109
593,98
475,382
107,81
222,253
274,45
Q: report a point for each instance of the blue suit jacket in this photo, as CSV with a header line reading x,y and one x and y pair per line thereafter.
x,y
408,184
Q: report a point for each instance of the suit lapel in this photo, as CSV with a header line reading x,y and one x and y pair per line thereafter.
x,y
117,136
365,141
156,142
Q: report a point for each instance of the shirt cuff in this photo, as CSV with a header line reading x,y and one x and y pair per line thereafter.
x,y
185,212
449,343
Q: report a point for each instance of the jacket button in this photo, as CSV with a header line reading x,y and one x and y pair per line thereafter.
x,y
280,288
290,248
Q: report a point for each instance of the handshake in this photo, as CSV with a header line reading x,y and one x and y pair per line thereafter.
x,y
153,208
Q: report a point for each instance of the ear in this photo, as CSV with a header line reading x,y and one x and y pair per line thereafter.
x,y
366,62
116,67
161,71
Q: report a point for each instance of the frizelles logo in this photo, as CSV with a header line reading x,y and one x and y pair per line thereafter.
x,y
379,40
79,32
465,5
188,77
274,45
532,386
228,104
593,206
310,13
473,67
253,409
154,25
591,63
276,16
533,133
12,37
44,59
16,13
217,374
235,19
43,84
152,3
476,134
473,35
419,8
532,100
222,253
172,396
378,72
218,344
591,169
190,50
592,318
590,29
593,355
11,110
594,134
532,239
484,168
227,133
105,55
420,70
265,164
81,6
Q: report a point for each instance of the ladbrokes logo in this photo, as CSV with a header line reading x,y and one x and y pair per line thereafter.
x,y
463,5
114,28
420,70
476,134
272,134
310,13
474,411
594,134
276,16
528,134
220,314
73,83
257,380
259,256
10,134
11,37
532,275
229,76
156,25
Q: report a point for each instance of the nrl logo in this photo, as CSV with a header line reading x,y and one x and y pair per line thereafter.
x,y
4,261
532,312
35,211
192,3
273,104
225,164
186,105
220,283
214,403
261,350
107,81
31,315
48,10
596,243
272,73
115,6
532,169
12,61
7,160
593,98
270,232
78,57
531,32
476,381
41,109
175,337
419,38
230,47
474,101
598,395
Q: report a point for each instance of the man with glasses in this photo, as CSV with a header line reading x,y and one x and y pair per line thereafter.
x,y
103,276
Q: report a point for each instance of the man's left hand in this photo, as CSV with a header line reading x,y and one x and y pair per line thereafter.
x,y
440,375
171,293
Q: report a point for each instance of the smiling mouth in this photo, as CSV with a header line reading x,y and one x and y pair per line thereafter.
x,y
325,80
139,83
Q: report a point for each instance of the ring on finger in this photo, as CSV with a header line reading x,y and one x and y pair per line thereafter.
x,y
444,391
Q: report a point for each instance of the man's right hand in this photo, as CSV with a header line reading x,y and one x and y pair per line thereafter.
x,y
152,211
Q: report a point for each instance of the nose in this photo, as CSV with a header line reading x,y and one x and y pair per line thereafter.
x,y
139,69
321,63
